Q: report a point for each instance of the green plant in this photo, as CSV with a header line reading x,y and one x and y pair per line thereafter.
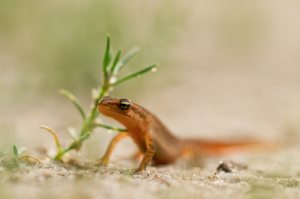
x,y
12,161
111,68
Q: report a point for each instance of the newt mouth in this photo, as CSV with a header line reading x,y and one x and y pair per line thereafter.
x,y
104,109
104,105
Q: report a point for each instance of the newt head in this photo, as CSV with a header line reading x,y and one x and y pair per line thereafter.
x,y
121,110
113,107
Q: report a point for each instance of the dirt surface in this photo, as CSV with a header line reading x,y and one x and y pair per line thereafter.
x,y
252,176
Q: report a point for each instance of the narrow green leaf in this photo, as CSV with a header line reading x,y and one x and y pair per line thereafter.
x,y
111,127
54,135
27,157
106,58
136,74
124,60
74,100
15,150
116,60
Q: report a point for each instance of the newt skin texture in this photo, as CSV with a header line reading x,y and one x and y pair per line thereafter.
x,y
153,139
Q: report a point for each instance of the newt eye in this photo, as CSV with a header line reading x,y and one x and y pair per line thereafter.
x,y
124,104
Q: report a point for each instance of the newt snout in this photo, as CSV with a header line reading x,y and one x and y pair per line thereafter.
x,y
104,100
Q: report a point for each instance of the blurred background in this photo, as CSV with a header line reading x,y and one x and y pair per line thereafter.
x,y
226,68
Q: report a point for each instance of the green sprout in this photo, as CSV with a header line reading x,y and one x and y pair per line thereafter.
x,y
17,152
20,154
111,67
14,160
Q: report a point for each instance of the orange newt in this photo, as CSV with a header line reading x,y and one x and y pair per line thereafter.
x,y
152,137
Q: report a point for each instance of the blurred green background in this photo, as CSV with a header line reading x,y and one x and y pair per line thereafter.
x,y
231,65
51,44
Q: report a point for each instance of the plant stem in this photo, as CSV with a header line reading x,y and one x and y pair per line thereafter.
x,y
88,124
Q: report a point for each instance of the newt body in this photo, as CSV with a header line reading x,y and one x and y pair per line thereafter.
x,y
152,137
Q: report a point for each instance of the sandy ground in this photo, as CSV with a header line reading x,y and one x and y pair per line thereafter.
x,y
255,176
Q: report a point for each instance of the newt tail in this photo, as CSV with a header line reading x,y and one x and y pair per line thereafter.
x,y
152,137
205,147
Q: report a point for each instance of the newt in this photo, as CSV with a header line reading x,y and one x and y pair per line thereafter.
x,y
153,138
